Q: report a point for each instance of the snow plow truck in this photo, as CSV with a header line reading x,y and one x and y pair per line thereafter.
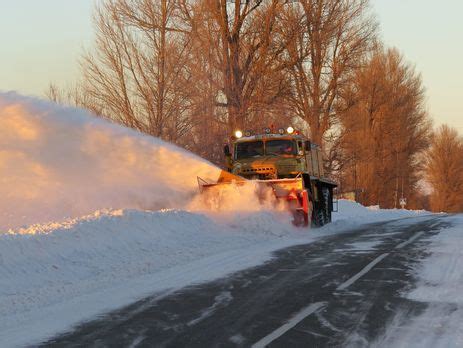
x,y
283,161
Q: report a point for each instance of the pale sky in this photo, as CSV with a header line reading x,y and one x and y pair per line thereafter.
x,y
429,33
41,41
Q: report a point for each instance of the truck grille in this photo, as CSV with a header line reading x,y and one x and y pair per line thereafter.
x,y
259,170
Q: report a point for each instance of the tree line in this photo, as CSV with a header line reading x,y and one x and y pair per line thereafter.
x,y
193,71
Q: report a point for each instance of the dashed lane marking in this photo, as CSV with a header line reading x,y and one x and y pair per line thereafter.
x,y
360,274
316,306
289,325
410,240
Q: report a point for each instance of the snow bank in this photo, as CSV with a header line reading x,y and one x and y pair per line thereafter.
x,y
352,214
58,162
54,275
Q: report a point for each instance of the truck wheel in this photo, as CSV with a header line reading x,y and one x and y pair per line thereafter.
x,y
318,216
326,204
322,213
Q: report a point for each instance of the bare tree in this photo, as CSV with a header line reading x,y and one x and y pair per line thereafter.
x,y
242,46
444,170
136,72
72,95
334,38
385,129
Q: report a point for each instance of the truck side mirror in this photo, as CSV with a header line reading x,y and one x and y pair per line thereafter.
x,y
226,150
307,145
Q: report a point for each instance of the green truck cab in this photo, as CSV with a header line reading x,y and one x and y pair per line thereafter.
x,y
276,157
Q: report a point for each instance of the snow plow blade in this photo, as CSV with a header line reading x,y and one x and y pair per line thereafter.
x,y
291,192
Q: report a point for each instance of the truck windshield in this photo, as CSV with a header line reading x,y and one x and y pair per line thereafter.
x,y
280,147
249,149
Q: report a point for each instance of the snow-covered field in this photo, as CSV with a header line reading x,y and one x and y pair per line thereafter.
x,y
126,220
441,286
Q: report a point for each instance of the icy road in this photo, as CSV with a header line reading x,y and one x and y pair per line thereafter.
x,y
341,290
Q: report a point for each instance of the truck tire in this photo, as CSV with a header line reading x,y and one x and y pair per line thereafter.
x,y
326,203
318,217
322,211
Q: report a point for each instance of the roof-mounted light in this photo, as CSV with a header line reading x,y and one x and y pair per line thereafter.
x,y
267,130
290,130
281,131
247,133
238,134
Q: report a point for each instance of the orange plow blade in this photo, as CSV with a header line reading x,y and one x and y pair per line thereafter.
x,y
230,189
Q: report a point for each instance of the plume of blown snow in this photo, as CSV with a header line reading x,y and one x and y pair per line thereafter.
x,y
248,197
58,162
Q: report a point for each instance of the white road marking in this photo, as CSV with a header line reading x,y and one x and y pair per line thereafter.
x,y
316,306
289,325
360,274
408,241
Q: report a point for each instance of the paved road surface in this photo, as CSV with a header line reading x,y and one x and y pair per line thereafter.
x,y
338,291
